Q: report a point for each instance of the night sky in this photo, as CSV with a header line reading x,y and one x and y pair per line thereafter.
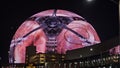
x,y
101,14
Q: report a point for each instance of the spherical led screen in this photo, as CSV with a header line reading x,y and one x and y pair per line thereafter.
x,y
54,31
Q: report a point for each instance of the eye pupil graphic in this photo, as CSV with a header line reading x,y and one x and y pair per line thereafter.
x,y
52,23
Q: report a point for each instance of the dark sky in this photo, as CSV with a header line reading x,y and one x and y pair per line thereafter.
x,y
101,14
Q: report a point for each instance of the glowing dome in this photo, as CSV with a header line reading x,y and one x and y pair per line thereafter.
x,y
52,31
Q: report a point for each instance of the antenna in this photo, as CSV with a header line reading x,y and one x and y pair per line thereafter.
x,y
54,12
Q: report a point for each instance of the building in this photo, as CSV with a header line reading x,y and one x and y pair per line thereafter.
x,y
98,55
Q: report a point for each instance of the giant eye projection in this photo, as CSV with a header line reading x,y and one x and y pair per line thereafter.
x,y
52,31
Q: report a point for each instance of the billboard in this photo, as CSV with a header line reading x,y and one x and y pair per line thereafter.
x,y
52,31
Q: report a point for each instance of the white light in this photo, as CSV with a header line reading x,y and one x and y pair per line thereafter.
x,y
110,66
91,49
89,0
75,62
80,56
104,67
